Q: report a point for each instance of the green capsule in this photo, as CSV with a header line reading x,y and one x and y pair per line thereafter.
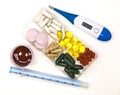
x,y
78,67
68,62
70,58
73,71
59,59
69,73
62,64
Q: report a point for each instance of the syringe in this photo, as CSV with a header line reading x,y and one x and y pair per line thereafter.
x,y
49,77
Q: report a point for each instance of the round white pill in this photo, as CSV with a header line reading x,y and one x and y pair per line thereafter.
x,y
31,33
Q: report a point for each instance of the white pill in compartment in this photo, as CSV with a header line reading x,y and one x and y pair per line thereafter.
x,y
55,27
45,13
47,29
52,30
49,23
57,23
53,36
43,23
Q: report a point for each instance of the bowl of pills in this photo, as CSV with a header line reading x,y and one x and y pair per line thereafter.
x,y
60,45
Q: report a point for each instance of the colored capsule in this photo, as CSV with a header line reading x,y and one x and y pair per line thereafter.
x,y
67,40
75,48
69,73
73,71
62,43
75,54
62,64
59,59
59,35
82,49
78,67
68,34
70,58
70,51
68,45
74,40
79,43
68,62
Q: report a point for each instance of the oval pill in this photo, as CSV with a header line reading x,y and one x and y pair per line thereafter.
x,y
31,33
73,71
68,34
55,27
70,58
56,22
69,73
44,22
59,35
47,29
60,59
42,38
52,29
62,43
47,14
68,62
78,67
40,47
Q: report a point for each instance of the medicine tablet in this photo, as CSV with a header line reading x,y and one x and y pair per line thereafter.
x,y
57,23
42,38
44,22
31,33
45,13
22,56
40,47
56,27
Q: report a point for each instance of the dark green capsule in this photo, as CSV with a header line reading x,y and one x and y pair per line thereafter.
x,y
73,71
68,62
59,59
62,64
69,73
70,58
78,67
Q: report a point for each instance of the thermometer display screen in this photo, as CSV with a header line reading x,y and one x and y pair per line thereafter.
x,y
87,25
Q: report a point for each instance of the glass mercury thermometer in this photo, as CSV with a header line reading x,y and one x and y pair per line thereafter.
x,y
49,77
96,30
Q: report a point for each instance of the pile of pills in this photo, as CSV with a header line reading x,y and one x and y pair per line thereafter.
x,y
53,50
38,38
67,61
60,45
48,23
75,48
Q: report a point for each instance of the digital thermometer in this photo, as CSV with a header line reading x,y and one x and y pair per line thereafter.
x,y
49,77
96,30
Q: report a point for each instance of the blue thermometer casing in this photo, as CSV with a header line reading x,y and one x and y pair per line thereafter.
x,y
94,29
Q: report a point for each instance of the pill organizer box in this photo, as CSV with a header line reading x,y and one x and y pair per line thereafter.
x,y
47,33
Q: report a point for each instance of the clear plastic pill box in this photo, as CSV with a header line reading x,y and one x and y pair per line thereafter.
x,y
47,33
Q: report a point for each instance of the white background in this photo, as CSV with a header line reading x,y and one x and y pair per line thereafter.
x,y
103,75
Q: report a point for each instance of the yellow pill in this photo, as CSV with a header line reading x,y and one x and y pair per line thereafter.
x,y
74,40
68,34
66,40
59,35
68,45
75,54
62,43
70,51
79,43
82,49
75,48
